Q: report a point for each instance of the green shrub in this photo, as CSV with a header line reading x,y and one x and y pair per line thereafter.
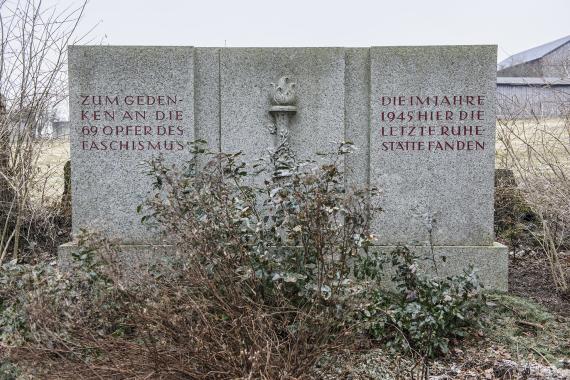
x,y
425,313
8,371
296,230
41,305
258,287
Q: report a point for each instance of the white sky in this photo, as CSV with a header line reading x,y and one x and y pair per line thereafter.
x,y
511,24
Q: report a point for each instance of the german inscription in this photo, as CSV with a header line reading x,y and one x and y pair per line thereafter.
x,y
145,125
455,125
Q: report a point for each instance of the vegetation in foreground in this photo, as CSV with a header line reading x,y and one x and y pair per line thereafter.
x,y
266,278
519,339
240,299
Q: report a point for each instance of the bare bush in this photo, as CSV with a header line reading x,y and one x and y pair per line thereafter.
x,y
33,43
300,231
538,151
189,325
270,271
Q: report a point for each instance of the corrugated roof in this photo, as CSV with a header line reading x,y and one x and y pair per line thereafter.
x,y
534,53
532,81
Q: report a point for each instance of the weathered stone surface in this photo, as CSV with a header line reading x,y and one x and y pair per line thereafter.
x,y
135,262
432,194
207,96
107,179
357,115
491,263
246,77
442,196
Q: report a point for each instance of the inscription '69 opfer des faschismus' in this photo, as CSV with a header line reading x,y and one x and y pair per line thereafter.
x,y
106,126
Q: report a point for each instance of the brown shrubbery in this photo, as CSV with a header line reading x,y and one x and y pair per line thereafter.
x,y
33,46
514,218
537,151
270,270
246,295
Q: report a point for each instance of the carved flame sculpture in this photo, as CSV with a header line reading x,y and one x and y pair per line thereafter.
x,y
284,91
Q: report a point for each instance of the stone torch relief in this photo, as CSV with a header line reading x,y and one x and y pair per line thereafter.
x,y
283,107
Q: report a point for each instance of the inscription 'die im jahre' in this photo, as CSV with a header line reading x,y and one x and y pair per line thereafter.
x,y
131,123
452,123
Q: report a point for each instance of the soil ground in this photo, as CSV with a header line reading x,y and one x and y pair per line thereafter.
x,y
529,276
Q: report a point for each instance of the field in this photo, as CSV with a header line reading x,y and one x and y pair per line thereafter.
x,y
53,156
544,141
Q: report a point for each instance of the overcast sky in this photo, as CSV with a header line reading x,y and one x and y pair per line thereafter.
x,y
514,25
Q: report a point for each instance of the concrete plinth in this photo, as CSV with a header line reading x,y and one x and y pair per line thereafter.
x,y
490,262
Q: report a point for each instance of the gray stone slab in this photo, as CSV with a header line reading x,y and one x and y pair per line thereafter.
x,y
207,96
135,262
107,179
246,77
491,263
433,191
357,114
449,192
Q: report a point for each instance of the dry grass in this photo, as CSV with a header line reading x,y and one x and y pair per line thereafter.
x,y
53,154
538,153
540,133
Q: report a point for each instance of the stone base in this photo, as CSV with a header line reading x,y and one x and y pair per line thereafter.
x,y
490,262
135,261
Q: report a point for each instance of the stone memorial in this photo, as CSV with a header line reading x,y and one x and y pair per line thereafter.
x,y
422,117
126,104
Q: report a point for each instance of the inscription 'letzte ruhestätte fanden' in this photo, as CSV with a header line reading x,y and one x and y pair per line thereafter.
x,y
458,117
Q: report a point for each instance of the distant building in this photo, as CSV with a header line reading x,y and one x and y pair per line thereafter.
x,y
524,97
551,60
535,82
